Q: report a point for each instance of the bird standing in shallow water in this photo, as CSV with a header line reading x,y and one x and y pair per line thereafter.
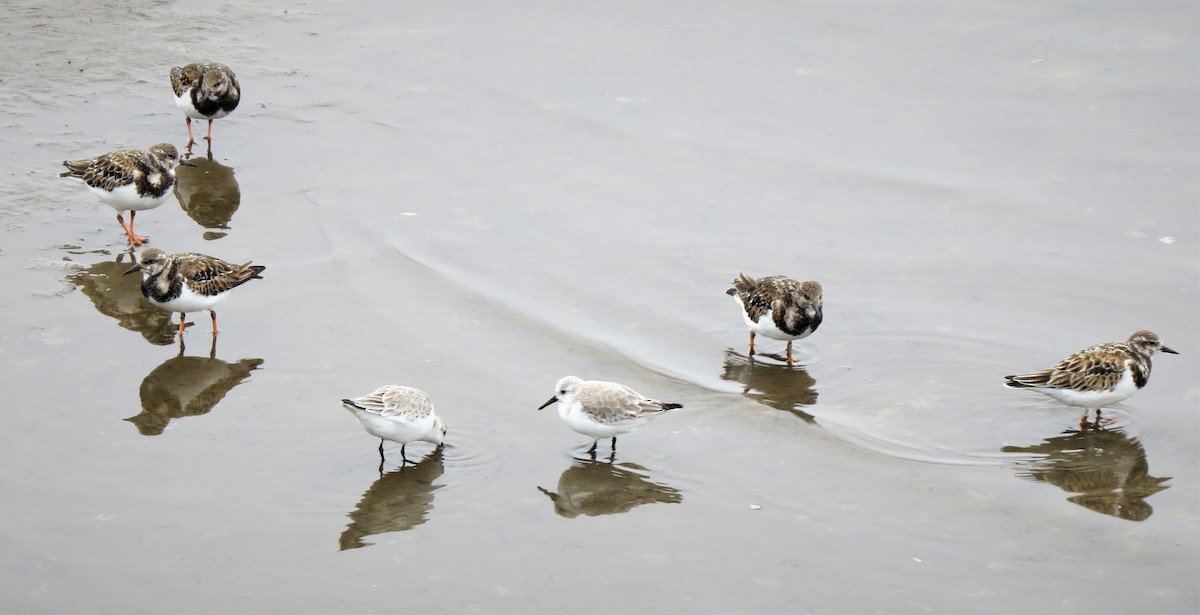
x,y
400,414
599,409
130,180
189,282
778,307
205,91
1096,376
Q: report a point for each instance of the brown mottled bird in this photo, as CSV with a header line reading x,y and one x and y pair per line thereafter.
x,y
188,282
130,180
1096,376
778,307
205,91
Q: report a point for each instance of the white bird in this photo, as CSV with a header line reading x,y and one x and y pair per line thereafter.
x,y
599,409
400,414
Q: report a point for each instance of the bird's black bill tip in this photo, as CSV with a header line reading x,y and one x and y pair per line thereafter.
x,y
548,402
1168,350
133,269
187,163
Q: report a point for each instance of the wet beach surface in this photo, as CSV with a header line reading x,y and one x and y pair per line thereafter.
x,y
477,199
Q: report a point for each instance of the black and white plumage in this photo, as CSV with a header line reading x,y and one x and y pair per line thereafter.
x,y
130,180
1096,376
778,307
205,91
188,282
398,413
600,409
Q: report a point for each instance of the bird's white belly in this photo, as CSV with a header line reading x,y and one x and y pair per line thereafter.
x,y
1095,399
126,198
575,418
184,102
190,301
394,428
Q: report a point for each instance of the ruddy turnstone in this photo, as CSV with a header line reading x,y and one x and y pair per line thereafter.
x,y
599,409
205,91
188,282
130,180
778,307
1097,376
400,414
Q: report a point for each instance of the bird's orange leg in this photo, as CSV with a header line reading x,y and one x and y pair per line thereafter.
x,y
134,240
209,137
214,319
789,352
191,136
751,342
182,324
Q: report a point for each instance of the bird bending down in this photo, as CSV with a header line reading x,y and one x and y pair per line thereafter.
x,y
778,307
188,282
1096,376
130,180
599,409
400,414
205,91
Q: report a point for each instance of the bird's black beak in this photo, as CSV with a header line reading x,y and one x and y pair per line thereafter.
x,y
1168,350
187,163
548,402
133,269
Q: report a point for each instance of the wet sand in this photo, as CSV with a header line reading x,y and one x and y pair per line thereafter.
x,y
477,199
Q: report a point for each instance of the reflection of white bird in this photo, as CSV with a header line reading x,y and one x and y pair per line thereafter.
x,y
1096,376
400,414
599,409
400,500
596,488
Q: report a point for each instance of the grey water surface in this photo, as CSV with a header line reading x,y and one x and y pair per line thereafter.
x,y
478,198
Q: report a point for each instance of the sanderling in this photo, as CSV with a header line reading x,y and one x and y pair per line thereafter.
x,y
188,282
400,414
778,307
130,180
1097,376
599,409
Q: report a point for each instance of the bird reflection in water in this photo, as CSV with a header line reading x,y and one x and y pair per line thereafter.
x,y
595,488
209,194
1106,468
400,500
782,387
118,296
187,386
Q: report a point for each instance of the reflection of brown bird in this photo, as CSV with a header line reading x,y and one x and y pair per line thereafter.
x,y
782,387
208,193
400,500
1107,468
595,488
121,298
187,386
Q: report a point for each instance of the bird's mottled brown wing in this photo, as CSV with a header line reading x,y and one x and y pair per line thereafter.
x,y
109,171
183,78
212,276
1098,368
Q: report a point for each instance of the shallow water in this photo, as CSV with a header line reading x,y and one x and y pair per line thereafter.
x,y
478,199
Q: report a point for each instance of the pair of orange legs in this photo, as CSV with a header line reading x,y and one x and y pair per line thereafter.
x,y
192,137
789,348
134,240
183,323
